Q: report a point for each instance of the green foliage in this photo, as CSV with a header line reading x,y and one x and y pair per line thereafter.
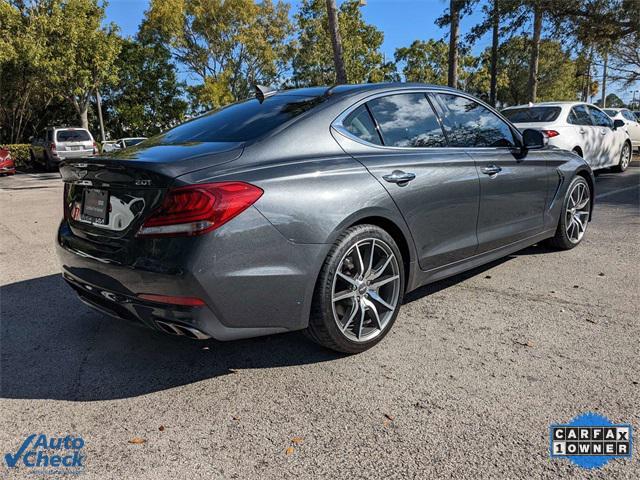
x,y
148,98
19,153
556,74
361,42
229,44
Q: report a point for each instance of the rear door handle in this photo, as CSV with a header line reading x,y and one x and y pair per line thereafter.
x,y
491,170
399,177
582,131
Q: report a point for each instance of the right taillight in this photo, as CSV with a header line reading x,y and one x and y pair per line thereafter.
x,y
198,209
551,133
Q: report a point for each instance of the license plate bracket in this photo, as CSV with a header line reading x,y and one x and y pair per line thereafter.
x,y
95,206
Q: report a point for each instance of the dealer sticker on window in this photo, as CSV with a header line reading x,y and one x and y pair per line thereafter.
x,y
590,440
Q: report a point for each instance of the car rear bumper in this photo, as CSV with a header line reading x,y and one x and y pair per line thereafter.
x,y
63,155
252,280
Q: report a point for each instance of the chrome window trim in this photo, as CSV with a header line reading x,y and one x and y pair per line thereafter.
x,y
338,125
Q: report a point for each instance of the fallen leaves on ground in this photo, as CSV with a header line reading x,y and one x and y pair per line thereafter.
x,y
137,440
289,451
161,428
297,440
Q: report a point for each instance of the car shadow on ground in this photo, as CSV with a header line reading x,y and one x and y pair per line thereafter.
x,y
54,347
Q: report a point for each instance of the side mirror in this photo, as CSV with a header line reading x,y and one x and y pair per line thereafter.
x,y
534,139
618,124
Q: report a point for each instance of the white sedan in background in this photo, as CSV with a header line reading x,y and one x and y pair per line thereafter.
x,y
629,118
578,127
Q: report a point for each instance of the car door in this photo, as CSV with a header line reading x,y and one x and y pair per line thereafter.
x,y
633,127
513,187
587,136
399,139
608,144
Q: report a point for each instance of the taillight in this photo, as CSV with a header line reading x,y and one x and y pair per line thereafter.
x,y
52,147
551,133
198,209
95,148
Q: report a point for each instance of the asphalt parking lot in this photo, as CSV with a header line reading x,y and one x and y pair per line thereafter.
x,y
465,385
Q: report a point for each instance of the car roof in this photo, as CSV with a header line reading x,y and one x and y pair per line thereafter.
x,y
352,89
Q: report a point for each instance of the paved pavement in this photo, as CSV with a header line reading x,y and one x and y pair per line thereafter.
x,y
465,385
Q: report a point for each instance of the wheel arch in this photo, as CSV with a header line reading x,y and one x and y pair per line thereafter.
x,y
588,176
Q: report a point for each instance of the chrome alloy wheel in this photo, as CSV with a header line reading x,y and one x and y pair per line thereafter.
x,y
626,156
577,213
366,290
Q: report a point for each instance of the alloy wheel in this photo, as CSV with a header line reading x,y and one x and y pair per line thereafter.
x,y
577,212
626,156
366,290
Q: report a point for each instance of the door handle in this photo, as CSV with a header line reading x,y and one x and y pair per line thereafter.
x,y
491,170
399,177
582,131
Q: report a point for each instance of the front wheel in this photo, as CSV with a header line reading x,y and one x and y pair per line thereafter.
x,y
359,291
625,158
574,217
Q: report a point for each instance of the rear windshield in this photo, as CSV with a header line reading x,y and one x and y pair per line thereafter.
x,y
241,121
133,141
532,114
72,136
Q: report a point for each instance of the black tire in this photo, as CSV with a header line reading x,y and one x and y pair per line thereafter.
x,y
323,328
561,240
48,164
623,164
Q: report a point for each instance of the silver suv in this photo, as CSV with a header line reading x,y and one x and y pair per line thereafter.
x,y
55,144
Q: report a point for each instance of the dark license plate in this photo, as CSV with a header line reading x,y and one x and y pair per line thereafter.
x,y
95,206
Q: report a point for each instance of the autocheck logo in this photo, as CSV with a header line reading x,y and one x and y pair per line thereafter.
x,y
44,454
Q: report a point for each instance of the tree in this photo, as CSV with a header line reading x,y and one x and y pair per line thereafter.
x,y
557,72
230,45
81,53
424,61
148,98
336,42
538,18
452,18
361,42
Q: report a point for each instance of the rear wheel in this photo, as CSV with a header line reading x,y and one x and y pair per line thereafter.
x,y
359,291
574,218
625,158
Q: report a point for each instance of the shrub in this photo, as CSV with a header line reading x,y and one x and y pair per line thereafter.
x,y
20,154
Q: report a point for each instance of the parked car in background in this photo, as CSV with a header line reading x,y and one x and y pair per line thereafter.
x,y
316,208
121,144
637,114
632,122
56,144
580,128
7,165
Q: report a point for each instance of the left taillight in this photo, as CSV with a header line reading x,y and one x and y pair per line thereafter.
x,y
551,133
95,148
198,209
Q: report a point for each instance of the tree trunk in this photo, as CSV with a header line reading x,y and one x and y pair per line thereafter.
x,y
336,42
604,80
454,10
495,18
535,51
99,105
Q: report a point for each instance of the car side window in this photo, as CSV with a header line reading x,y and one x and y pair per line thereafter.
x,y
407,120
469,124
579,116
600,118
629,116
360,124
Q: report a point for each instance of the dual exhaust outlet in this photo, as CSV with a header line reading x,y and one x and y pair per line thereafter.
x,y
181,330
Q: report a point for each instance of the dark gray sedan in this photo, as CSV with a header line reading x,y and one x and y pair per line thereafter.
x,y
313,209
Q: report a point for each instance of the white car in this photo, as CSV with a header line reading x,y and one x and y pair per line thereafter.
x,y
578,127
121,144
628,117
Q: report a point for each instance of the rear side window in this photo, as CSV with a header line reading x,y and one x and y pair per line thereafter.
x,y
611,113
72,136
407,120
360,124
629,116
579,116
600,118
240,122
469,124
532,115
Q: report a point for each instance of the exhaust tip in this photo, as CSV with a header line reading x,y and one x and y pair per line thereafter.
x,y
181,330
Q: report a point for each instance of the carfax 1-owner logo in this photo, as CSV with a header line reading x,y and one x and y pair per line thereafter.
x,y
590,440
48,454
